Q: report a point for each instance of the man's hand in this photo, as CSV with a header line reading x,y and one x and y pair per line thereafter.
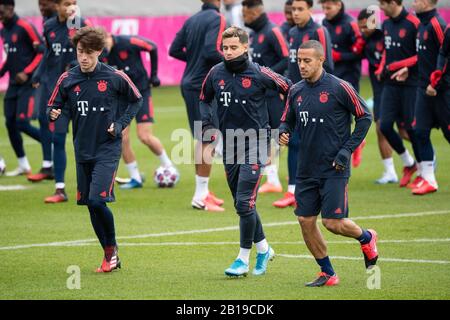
x,y
342,160
35,85
431,91
401,75
21,77
284,139
54,114
115,129
155,82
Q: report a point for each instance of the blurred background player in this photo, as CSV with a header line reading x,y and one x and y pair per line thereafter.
x,y
347,49
440,83
239,87
428,113
198,43
124,53
268,48
305,29
47,9
24,50
398,68
97,131
233,13
289,23
373,52
59,56
323,106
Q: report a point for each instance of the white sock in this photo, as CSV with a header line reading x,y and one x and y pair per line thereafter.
x,y
291,188
164,159
389,167
47,164
201,187
428,172
2,163
60,185
244,255
133,170
262,246
272,175
24,164
408,161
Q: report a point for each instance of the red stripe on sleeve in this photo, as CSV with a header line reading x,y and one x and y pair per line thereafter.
x,y
358,108
55,91
141,44
322,39
355,28
286,108
283,84
414,20
409,62
438,30
219,36
130,83
281,41
202,95
30,31
34,64
30,107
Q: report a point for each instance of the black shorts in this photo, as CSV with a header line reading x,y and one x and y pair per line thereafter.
x,y
192,101
19,102
397,103
431,112
243,181
275,106
326,196
146,113
95,181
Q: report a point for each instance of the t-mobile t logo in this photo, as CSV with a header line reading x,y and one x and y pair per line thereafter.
x,y
293,55
388,42
83,107
304,117
56,48
225,98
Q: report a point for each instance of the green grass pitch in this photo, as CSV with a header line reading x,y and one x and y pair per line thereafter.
x,y
170,251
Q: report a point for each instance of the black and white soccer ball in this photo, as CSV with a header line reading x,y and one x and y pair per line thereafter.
x,y
166,177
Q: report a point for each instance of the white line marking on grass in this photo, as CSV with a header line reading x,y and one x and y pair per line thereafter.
x,y
13,187
291,256
201,231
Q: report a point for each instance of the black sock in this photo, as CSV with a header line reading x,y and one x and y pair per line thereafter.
x,y
325,266
106,218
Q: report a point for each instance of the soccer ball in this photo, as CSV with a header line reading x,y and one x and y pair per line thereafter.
x,y
166,177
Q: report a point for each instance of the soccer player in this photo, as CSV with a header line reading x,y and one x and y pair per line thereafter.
x,y
124,53
91,94
268,48
373,52
322,106
428,113
440,82
399,69
59,56
24,51
198,43
289,23
305,29
47,9
239,87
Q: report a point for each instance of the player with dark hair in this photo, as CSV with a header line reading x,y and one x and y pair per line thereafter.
x,y
198,43
24,50
428,112
268,48
399,69
124,53
320,109
239,87
305,29
59,56
289,23
47,9
92,95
